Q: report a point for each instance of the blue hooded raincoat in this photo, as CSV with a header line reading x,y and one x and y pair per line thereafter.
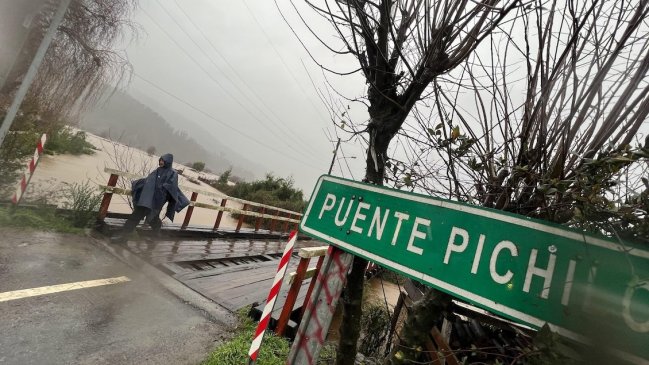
x,y
160,187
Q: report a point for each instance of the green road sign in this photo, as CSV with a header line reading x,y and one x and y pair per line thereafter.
x,y
527,270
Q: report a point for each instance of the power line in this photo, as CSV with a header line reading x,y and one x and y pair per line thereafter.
x,y
279,55
280,124
207,72
233,83
210,116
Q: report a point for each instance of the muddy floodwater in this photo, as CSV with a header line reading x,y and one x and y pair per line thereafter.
x,y
53,172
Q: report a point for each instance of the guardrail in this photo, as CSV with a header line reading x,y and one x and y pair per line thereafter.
x,y
290,217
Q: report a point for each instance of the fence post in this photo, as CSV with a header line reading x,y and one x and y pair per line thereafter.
x,y
291,297
190,210
272,297
313,281
219,216
105,201
285,229
259,219
273,221
27,175
241,217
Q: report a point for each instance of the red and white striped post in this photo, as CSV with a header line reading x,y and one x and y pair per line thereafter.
x,y
27,175
272,297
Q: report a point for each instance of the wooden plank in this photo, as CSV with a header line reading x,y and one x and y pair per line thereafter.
x,y
291,298
224,270
446,351
114,190
309,252
308,274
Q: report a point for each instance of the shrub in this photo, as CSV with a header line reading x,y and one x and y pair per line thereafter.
x,y
375,324
273,191
82,199
63,141
198,166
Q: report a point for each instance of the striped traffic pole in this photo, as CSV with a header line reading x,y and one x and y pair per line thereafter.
x,y
272,297
29,171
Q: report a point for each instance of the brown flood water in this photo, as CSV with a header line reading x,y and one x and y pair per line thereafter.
x,y
53,172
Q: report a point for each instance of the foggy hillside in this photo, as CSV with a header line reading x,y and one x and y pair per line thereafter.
x,y
129,121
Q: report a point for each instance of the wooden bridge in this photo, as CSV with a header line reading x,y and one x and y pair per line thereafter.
x,y
232,264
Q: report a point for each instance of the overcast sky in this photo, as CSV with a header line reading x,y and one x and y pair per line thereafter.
x,y
248,79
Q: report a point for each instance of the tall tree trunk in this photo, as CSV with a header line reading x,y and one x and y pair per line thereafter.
x,y
421,318
352,300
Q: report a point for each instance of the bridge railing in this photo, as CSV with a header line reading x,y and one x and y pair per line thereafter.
x,y
295,279
282,216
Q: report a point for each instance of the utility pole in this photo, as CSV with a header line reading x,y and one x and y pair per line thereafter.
x,y
334,158
33,69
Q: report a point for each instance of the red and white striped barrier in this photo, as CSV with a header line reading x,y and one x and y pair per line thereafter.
x,y
272,297
27,175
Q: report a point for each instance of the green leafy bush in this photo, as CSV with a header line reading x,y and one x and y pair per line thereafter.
x,y
82,200
64,141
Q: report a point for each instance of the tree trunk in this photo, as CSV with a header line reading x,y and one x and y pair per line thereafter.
x,y
352,300
421,319
380,131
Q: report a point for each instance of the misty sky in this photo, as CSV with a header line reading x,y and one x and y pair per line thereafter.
x,y
238,63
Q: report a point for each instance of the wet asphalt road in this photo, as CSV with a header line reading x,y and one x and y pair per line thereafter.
x,y
136,322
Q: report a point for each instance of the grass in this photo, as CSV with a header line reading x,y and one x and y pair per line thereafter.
x,y
42,218
274,350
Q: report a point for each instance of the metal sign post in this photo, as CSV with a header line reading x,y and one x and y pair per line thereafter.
x,y
527,270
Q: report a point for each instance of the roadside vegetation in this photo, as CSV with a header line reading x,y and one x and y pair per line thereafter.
x,y
20,143
79,211
275,191
274,350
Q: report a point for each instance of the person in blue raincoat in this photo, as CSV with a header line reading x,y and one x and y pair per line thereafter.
x,y
150,195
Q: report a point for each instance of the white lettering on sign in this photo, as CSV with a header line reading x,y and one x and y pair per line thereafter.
x,y
452,247
546,274
400,216
338,221
567,288
626,305
502,245
478,255
378,223
417,234
328,205
359,216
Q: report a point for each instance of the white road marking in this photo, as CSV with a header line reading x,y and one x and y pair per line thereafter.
x,y
33,292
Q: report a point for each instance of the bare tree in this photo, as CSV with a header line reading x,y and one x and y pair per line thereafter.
x,y
530,107
401,46
546,123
